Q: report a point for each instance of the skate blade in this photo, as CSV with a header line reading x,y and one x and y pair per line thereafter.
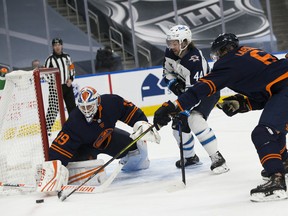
x,y
193,166
221,169
261,197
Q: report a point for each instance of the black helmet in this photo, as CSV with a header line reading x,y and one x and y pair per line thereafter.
x,y
57,40
225,41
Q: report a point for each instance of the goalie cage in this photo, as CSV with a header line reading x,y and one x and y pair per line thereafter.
x,y
23,128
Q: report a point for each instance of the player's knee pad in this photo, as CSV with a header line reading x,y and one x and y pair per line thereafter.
x,y
197,122
136,159
200,128
188,143
80,171
263,135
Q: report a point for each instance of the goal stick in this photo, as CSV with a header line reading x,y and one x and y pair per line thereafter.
x,y
63,197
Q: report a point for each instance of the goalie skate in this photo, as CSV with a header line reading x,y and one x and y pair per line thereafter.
x,y
274,189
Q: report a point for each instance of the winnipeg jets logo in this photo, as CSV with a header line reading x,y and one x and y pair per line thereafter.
x,y
194,58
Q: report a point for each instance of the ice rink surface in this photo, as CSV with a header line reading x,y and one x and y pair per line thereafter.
x,y
146,193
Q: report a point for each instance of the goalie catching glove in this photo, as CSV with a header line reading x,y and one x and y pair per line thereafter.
x,y
234,104
141,126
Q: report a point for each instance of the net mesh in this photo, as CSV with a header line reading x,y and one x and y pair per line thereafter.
x,y
21,137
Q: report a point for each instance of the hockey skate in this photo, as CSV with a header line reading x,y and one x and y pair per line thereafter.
x,y
191,161
218,165
265,175
273,189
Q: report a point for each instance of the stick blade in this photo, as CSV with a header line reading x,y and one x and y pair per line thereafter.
x,y
62,196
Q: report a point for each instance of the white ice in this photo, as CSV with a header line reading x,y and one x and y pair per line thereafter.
x,y
146,192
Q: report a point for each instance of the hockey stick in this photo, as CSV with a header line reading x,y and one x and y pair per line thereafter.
x,y
63,197
177,186
181,153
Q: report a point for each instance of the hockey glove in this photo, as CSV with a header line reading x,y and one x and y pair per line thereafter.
x,y
141,126
163,115
177,86
234,104
181,119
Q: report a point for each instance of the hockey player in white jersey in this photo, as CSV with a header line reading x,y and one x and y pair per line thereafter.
x,y
183,65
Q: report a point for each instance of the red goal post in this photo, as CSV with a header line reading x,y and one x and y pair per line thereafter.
x,y
24,141
38,76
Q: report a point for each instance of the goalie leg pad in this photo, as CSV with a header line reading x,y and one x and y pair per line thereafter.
x,y
136,159
80,171
51,177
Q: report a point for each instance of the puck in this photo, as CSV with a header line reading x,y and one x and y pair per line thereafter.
x,y
40,201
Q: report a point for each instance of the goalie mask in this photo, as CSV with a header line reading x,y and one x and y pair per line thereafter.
x,y
223,44
88,102
178,38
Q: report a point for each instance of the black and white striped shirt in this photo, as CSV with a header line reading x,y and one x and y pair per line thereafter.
x,y
63,63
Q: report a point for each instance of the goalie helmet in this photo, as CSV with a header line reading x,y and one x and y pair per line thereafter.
x,y
180,33
88,102
223,44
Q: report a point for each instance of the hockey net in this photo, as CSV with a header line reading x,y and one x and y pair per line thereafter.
x,y
25,124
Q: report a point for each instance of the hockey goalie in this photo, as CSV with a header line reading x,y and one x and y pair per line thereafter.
x,y
91,130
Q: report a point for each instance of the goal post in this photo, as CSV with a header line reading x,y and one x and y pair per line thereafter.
x,y
24,143
40,101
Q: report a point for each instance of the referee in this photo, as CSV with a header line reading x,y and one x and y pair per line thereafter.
x,y
62,61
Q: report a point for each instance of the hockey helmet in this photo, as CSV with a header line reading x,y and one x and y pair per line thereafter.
x,y
179,33
88,102
57,40
223,43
